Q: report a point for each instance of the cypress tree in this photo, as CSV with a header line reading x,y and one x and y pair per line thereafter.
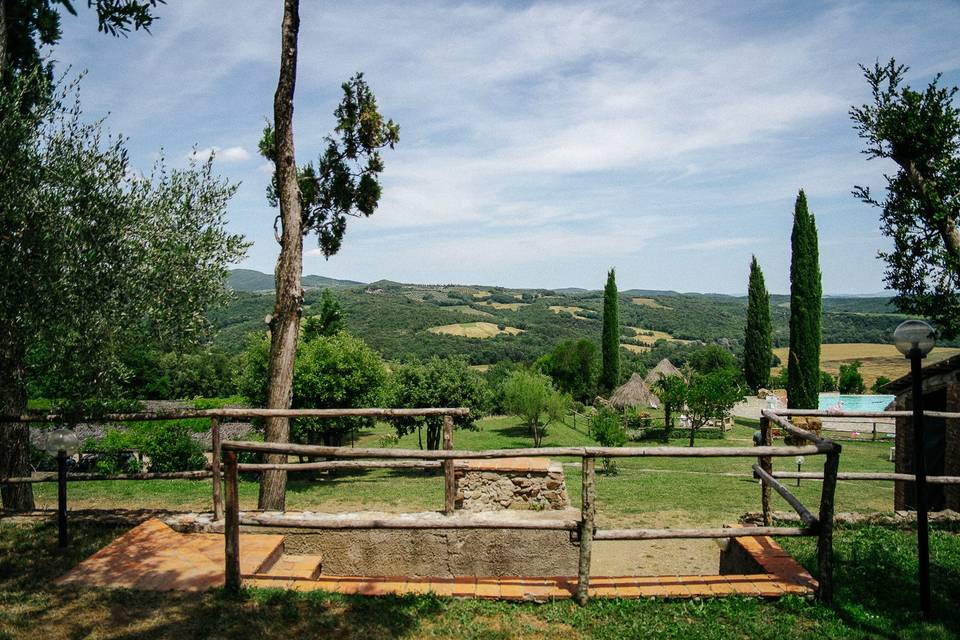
x,y
803,366
758,339
610,342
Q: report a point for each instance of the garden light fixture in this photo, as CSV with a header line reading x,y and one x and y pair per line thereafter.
x,y
62,443
914,339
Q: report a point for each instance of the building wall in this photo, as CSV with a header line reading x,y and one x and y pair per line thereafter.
x,y
904,441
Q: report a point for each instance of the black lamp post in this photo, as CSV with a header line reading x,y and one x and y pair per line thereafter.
x,y
61,443
914,339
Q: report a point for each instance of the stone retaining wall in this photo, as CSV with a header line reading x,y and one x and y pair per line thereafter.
x,y
510,483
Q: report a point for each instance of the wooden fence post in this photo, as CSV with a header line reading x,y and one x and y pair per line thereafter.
x,y
217,471
588,510
825,538
766,463
449,477
231,526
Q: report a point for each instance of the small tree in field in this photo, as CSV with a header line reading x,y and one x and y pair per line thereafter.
x,y
711,396
606,426
531,396
437,383
672,391
879,384
850,380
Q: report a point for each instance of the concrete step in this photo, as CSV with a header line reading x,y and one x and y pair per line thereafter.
x,y
290,567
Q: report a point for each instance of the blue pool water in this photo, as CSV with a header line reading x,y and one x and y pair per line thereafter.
x,y
856,403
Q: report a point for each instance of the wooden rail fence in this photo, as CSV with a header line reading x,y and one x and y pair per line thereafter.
x,y
583,530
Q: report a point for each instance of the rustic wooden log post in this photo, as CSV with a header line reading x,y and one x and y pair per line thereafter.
x,y
449,478
766,463
588,510
231,526
825,539
217,471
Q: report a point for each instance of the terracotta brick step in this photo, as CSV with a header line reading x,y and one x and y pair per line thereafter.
x,y
288,567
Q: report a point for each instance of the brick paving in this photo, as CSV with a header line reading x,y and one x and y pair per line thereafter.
x,y
154,557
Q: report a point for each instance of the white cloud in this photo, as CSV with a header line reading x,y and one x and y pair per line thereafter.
x,y
228,154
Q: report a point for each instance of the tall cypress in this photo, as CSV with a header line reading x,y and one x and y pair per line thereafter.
x,y
803,366
758,338
610,375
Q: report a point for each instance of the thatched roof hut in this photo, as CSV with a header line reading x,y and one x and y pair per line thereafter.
x,y
634,393
664,368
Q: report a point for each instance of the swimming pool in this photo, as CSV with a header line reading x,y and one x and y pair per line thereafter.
x,y
855,403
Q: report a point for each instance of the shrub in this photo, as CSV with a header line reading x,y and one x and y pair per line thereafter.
x,y
850,380
608,431
113,453
170,448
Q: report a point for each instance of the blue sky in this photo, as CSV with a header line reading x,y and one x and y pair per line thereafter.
x,y
542,143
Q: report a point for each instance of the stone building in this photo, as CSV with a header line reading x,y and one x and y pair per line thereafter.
x,y
941,392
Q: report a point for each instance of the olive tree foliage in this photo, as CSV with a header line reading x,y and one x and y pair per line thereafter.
x,y
532,397
437,383
337,371
711,396
920,132
95,258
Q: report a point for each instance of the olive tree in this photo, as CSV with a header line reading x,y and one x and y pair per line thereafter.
x,y
437,383
531,396
94,257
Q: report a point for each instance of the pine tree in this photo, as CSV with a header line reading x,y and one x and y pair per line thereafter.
x,y
803,364
758,340
610,375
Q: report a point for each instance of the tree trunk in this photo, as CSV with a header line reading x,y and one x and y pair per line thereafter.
x,y
285,323
14,436
692,431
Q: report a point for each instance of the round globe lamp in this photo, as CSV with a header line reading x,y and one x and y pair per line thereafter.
x,y
61,443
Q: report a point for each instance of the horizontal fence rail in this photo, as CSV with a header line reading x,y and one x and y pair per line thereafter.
x,y
216,416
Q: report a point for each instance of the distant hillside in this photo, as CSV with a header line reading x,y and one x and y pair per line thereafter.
x,y
251,281
405,321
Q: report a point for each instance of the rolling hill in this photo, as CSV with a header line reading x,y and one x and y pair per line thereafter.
x,y
400,320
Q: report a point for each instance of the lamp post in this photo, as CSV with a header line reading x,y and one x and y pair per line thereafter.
x,y
61,443
799,460
914,339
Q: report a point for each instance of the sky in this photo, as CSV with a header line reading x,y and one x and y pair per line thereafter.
x,y
541,143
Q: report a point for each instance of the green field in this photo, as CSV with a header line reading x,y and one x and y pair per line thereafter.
x,y
681,491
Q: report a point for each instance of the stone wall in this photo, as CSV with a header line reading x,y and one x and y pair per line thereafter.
x,y
510,483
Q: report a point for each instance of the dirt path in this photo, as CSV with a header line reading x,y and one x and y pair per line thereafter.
x,y
655,557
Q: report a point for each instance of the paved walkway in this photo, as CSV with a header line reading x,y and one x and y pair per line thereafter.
x,y
154,557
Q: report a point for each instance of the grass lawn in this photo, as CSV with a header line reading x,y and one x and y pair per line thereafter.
x,y
875,577
644,491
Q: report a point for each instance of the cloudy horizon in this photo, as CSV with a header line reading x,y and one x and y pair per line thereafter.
x,y
541,143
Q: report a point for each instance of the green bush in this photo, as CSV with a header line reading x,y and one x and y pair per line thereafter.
x,y
170,448
608,431
114,453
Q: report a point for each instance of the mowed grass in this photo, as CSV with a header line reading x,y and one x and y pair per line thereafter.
x,y
649,302
875,572
474,330
645,491
573,311
877,359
